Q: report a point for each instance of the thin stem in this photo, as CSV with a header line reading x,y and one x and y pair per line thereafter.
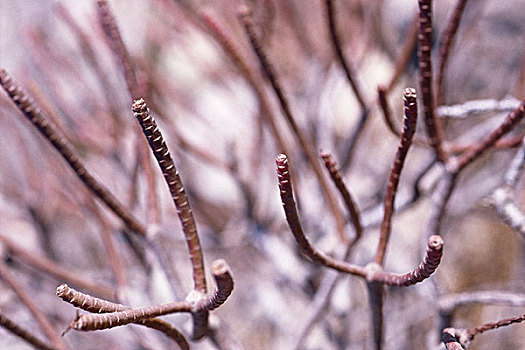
x,y
472,332
375,300
508,124
27,106
51,268
425,78
43,321
224,281
450,339
350,204
306,147
23,333
292,218
422,272
336,44
171,175
410,112
406,53
445,44
96,305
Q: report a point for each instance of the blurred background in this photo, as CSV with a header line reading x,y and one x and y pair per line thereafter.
x,y
221,129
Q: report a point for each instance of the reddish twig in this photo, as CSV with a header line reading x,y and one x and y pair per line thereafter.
x,y
508,124
423,271
27,106
96,305
306,147
450,339
445,44
292,218
43,321
425,78
224,281
350,204
23,333
410,115
51,268
336,44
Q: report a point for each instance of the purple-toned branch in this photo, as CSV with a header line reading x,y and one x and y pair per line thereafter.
x,y
336,43
425,78
508,124
224,281
423,271
306,147
410,112
290,210
23,333
450,339
96,305
43,321
350,204
27,106
445,44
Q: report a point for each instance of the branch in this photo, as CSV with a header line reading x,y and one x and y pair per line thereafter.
x,y
96,305
292,218
423,271
473,107
246,17
224,281
26,105
433,127
171,175
23,333
393,181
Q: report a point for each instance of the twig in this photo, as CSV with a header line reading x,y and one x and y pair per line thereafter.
x,y
306,147
350,204
445,44
425,78
23,333
96,305
43,321
27,106
224,281
50,267
406,52
393,181
450,339
375,300
508,124
439,201
451,302
292,218
474,107
423,271
336,44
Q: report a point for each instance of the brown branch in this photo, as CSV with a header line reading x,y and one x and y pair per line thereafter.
x,y
410,114
307,149
27,106
445,44
96,305
292,218
472,332
450,339
53,269
336,44
423,271
23,333
350,204
508,124
433,127
43,321
171,175
224,281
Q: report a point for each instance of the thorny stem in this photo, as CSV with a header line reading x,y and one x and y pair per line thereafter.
x,y
425,78
23,333
171,175
43,321
351,206
96,305
27,106
306,147
423,271
445,44
290,210
410,113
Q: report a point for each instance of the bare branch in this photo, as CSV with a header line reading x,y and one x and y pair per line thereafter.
x,y
23,333
393,181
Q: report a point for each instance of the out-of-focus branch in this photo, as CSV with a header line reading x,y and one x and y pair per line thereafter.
x,y
23,333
